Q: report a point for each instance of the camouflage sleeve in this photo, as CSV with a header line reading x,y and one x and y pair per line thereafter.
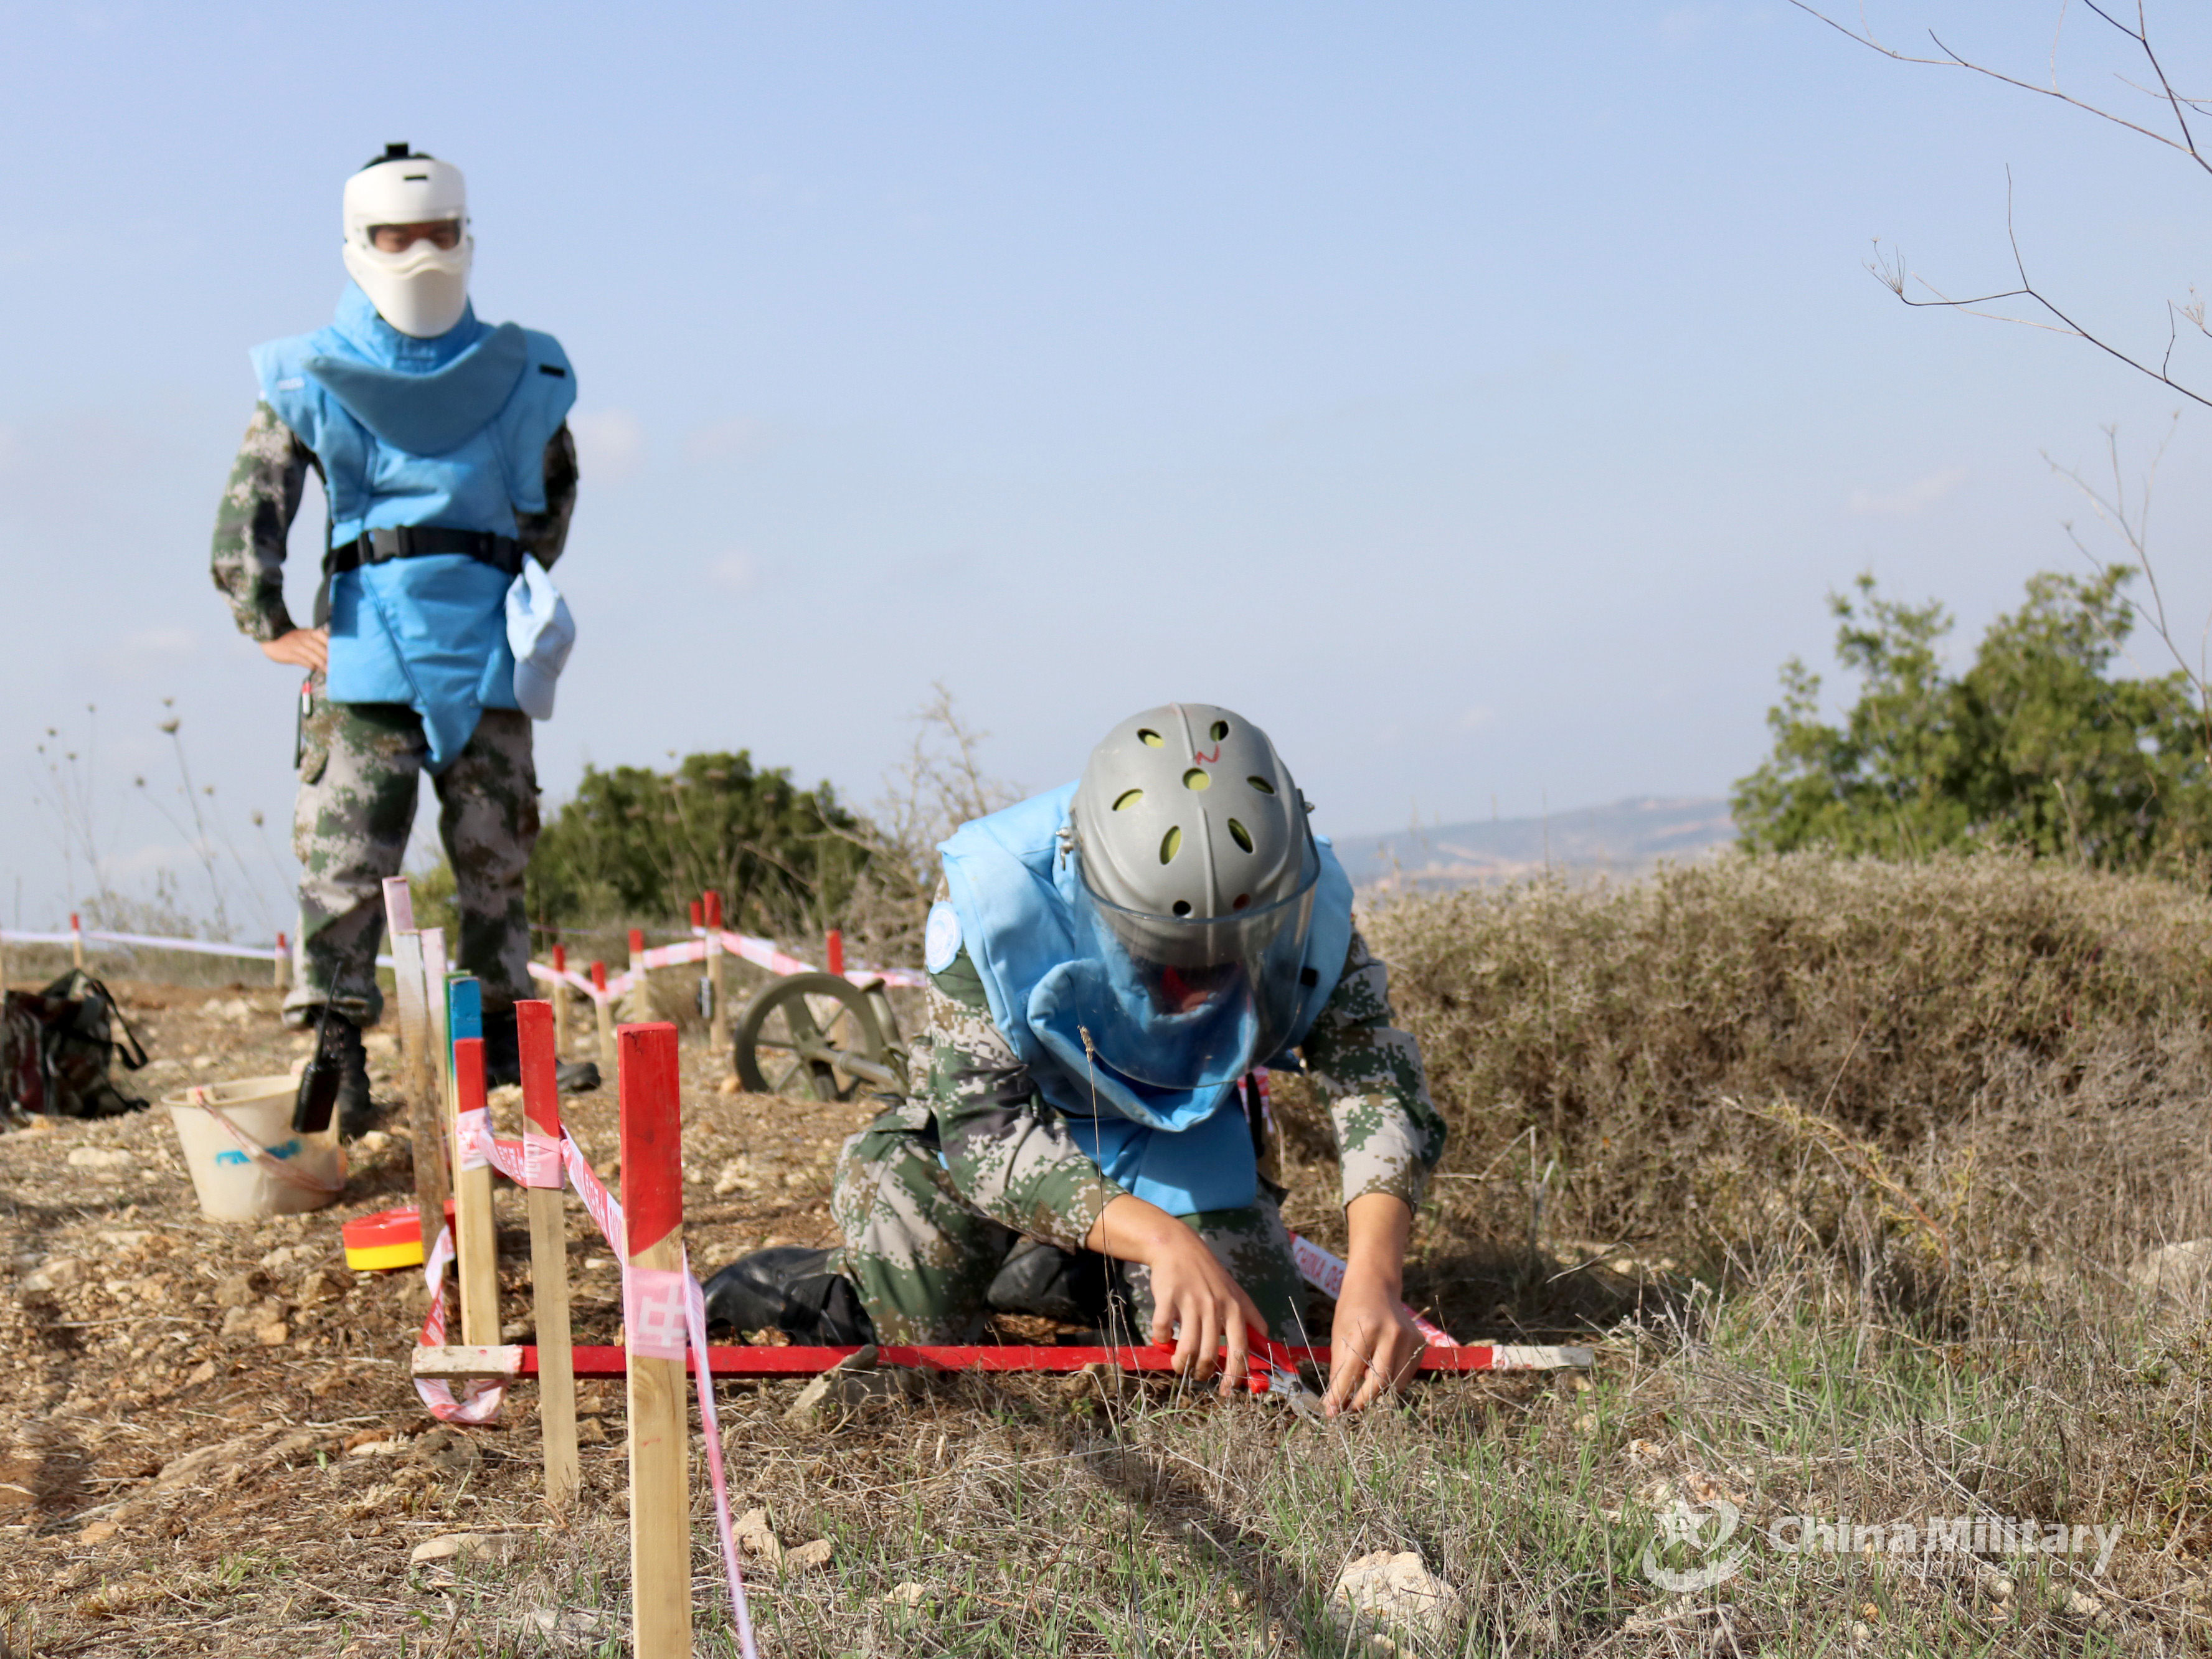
x,y
258,506
1388,1134
1009,1153
544,534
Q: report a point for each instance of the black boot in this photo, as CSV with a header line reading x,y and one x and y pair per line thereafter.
x,y
335,1082
503,1058
790,1288
1070,1286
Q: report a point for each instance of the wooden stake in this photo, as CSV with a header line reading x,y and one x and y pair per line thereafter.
x,y
549,1251
426,1121
418,1071
440,1061
833,951
640,988
77,941
560,1001
604,1013
717,1039
276,975
659,1451
475,1241
705,998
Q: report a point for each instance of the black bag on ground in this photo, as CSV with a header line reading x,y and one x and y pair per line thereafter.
x,y
56,1046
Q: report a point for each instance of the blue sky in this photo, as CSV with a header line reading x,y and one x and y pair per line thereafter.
x,y
1481,398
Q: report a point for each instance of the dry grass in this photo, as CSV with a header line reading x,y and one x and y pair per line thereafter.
x,y
1847,1170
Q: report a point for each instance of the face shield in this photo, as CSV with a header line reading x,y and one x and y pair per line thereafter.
x,y
1189,1002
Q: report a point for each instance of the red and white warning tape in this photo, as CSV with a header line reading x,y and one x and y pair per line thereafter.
x,y
764,953
663,1312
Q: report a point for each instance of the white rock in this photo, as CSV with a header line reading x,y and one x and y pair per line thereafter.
x,y
497,1546
809,1557
908,1594
102,1158
757,1539
55,1273
2170,1270
1388,1587
583,1626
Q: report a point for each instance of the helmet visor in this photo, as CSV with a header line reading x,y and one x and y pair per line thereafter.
x,y
1185,1003
443,234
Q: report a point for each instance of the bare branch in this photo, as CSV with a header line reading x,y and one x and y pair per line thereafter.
x,y
2185,145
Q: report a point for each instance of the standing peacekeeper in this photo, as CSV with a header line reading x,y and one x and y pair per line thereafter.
x,y
1107,961
444,453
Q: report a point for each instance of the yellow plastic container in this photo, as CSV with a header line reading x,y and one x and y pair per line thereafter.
x,y
390,1238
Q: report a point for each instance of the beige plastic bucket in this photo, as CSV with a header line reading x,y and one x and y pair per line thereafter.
x,y
246,1164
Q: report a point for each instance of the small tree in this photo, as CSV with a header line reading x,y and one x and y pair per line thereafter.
x,y
637,843
2036,746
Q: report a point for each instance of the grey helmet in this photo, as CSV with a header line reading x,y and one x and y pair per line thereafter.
x,y
1187,811
1197,882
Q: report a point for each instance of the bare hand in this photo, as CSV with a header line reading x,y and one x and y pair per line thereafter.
x,y
1373,1342
1190,1289
303,647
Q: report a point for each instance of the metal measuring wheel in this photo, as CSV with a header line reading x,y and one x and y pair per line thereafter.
x,y
818,1037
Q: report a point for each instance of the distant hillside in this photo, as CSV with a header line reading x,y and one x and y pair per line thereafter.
x,y
1624,839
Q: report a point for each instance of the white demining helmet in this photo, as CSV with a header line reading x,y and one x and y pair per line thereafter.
x,y
418,284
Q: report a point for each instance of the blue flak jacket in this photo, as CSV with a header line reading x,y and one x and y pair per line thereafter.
x,y
1014,895
451,433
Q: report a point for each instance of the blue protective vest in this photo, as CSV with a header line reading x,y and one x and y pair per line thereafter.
x,y
1014,896
449,432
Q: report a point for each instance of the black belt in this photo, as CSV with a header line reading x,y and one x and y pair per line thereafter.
x,y
418,541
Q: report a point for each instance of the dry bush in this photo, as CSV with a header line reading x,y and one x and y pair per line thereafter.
x,y
1976,1054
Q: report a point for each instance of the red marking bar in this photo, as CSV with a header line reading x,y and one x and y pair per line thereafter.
x,y
746,1361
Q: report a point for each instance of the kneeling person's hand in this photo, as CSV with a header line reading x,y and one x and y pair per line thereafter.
x,y
1190,1289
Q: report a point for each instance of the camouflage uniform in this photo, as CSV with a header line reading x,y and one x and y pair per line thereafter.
x,y
924,1236
361,764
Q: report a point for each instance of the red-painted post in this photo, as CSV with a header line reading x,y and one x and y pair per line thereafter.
x,y
283,960
77,941
660,1459
698,916
549,1247
834,950
641,990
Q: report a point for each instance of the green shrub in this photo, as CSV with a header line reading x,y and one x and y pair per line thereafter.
x,y
1735,1050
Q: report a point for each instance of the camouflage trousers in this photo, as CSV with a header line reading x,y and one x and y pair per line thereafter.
x,y
361,773
922,1257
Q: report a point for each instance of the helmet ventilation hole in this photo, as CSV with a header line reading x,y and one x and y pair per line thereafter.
x,y
1170,844
1183,907
1151,739
1262,784
1240,834
1220,730
1243,899
1127,799
1196,778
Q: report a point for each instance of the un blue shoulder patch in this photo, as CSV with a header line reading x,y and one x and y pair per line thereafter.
x,y
940,940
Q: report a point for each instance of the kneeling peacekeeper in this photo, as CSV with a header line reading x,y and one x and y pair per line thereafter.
x,y
1107,961
443,448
